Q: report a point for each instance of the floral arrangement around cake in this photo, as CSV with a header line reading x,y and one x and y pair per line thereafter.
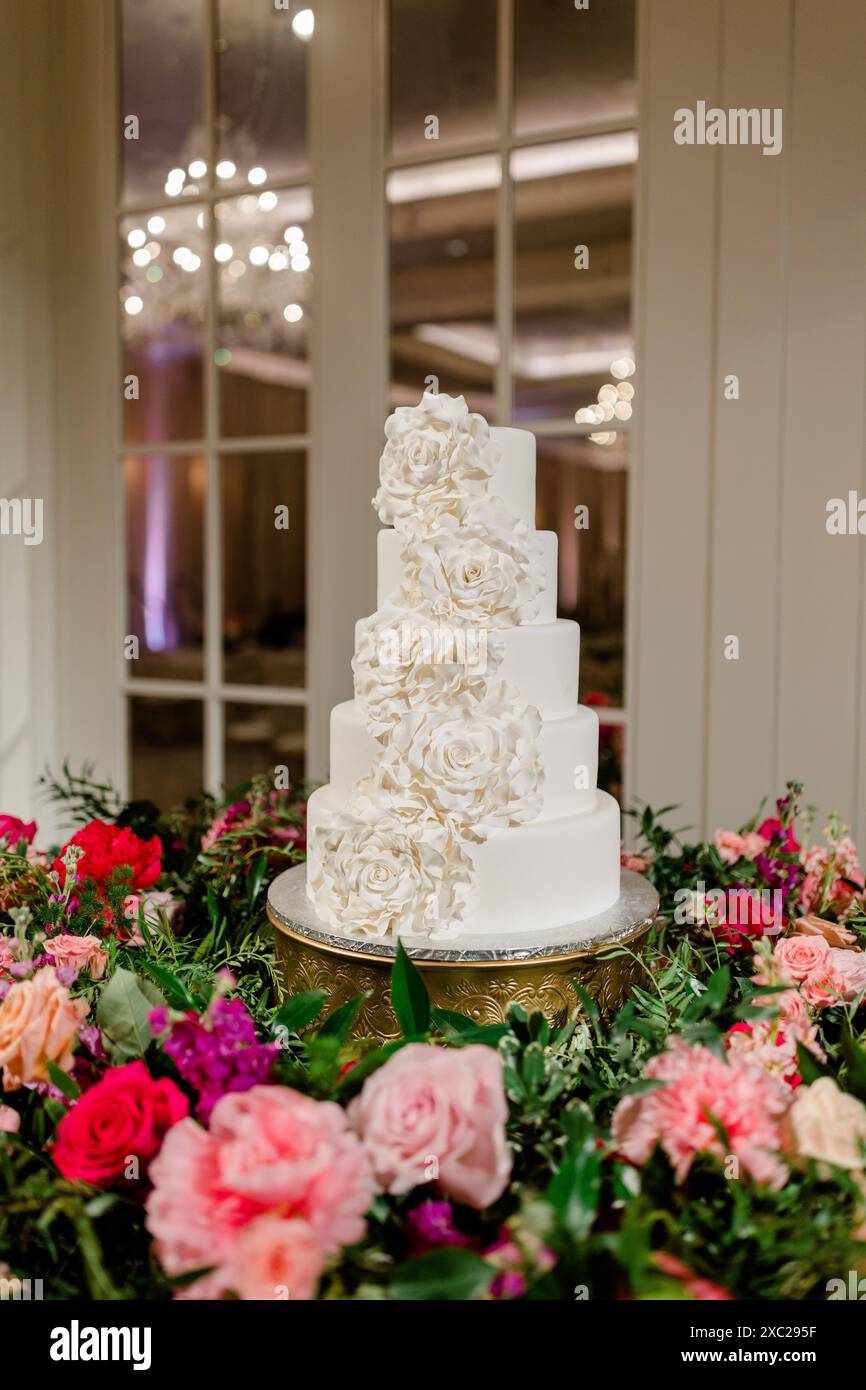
x,y
458,751
165,1130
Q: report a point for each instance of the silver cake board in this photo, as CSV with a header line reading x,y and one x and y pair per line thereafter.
x,y
631,914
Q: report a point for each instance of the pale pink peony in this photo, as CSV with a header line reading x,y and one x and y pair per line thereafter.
x,y
800,956
276,1259
733,846
826,1124
840,980
269,1151
432,1114
79,952
700,1088
637,863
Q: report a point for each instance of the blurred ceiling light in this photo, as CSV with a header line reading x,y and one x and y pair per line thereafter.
x,y
267,201
237,269
292,235
192,262
293,313
199,221
153,274
574,156
622,367
197,169
248,203
300,264
257,175
278,260
443,180
179,254
153,249
226,169
300,248
136,237
223,252
134,304
259,255
304,24
141,256
156,225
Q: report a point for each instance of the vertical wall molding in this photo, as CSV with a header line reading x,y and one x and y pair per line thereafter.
x,y
349,318
729,497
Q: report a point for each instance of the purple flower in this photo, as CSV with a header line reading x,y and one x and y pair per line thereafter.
x,y
219,1053
431,1224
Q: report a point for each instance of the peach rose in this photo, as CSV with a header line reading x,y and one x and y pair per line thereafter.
x,y
833,933
800,955
826,1124
432,1114
79,952
732,846
276,1259
38,1023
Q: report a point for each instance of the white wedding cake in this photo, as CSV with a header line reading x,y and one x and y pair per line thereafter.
x,y
463,799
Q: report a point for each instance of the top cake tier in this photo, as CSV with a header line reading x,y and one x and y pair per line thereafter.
x,y
514,477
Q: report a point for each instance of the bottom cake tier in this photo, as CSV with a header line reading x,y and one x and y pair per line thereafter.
x,y
532,877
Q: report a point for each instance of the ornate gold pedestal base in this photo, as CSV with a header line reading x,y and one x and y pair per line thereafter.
x,y
534,971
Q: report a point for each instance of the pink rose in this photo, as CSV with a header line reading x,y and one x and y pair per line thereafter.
x,y
39,1023
637,863
269,1151
10,1120
800,955
437,1114
733,846
79,952
848,970
276,1259
8,952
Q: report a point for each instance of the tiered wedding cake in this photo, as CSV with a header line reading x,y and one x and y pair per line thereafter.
x,y
463,798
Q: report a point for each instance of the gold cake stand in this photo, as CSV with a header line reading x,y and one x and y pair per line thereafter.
x,y
531,969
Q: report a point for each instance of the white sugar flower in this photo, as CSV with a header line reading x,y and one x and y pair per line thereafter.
x,y
403,664
376,873
475,765
437,455
481,567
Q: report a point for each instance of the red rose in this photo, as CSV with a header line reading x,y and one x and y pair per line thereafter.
x,y
125,1115
108,848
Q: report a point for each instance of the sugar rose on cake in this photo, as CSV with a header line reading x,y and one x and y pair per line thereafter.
x,y
387,867
437,453
480,566
403,664
473,764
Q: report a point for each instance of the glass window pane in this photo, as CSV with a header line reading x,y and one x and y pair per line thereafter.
x,y
264,250
262,90
443,73
161,69
442,280
163,292
264,568
166,738
165,575
260,738
573,66
572,271
577,473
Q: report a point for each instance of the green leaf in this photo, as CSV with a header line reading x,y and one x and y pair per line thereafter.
x,y
574,1190
299,1011
451,1275
587,1002
174,990
855,1059
449,1022
370,1062
409,998
256,877
338,1025
807,1065
122,1013
63,1081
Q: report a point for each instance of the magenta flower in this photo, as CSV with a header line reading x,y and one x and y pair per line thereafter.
x,y
218,1054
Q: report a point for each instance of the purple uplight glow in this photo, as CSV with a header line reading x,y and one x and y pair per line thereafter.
x,y
160,626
